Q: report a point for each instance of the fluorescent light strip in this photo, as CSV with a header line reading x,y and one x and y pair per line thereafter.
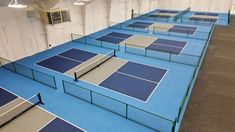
x,y
17,4
79,2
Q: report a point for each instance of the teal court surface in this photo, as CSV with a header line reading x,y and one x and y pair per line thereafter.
x,y
133,76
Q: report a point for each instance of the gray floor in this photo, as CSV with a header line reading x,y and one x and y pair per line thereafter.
x,y
212,105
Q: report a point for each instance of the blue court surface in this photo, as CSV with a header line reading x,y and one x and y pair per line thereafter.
x,y
66,60
114,37
60,125
151,88
6,97
130,80
165,45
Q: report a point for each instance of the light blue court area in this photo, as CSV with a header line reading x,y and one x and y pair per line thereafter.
x,y
189,53
205,18
98,82
160,112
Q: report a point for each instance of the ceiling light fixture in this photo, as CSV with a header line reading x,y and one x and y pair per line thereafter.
x,y
17,4
79,2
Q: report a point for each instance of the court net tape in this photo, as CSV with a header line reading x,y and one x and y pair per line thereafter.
x,y
19,109
94,64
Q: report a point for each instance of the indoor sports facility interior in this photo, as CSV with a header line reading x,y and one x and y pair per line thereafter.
x,y
117,66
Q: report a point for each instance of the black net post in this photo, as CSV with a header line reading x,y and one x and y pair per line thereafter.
x,y
132,13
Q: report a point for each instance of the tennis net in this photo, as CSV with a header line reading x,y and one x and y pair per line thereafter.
x,y
19,109
94,64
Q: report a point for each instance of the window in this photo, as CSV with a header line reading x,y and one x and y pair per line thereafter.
x,y
55,17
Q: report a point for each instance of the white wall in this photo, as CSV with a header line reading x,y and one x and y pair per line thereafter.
x,y
19,35
96,16
60,33
22,36
197,5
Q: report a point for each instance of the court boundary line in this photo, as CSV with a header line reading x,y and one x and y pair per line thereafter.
x,y
8,102
69,58
45,110
140,78
46,124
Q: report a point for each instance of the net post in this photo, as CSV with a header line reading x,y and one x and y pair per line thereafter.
x,y
91,95
170,57
114,53
40,98
118,48
145,51
126,111
174,125
71,35
132,13
75,76
229,16
14,67
1,62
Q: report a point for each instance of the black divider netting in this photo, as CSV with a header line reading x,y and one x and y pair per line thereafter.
x,y
147,17
179,15
180,32
19,109
25,71
162,30
128,111
93,41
